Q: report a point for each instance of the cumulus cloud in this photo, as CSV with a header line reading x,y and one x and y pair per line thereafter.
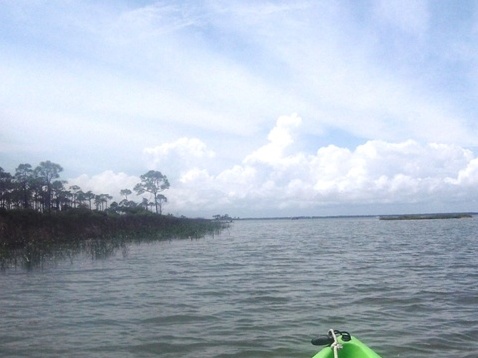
x,y
379,171
107,182
468,176
280,179
280,137
375,172
184,152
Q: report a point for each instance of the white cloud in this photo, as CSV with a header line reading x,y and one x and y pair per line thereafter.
x,y
286,181
280,137
468,176
376,172
222,67
386,98
182,153
107,182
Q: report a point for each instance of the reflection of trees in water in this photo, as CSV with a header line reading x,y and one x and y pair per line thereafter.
x,y
44,254
38,255
31,239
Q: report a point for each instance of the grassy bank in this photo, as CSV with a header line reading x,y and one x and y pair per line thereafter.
x,y
29,237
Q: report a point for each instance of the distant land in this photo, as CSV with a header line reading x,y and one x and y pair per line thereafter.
x,y
427,216
306,217
430,216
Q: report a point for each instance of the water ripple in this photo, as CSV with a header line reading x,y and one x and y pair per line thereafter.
x,y
261,289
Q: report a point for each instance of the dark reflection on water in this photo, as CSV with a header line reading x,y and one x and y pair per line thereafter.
x,y
37,256
259,289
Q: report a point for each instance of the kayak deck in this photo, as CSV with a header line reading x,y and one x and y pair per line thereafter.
x,y
350,349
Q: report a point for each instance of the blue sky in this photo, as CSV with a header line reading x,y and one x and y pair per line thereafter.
x,y
251,108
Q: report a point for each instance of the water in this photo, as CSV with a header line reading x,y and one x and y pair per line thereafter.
x,y
259,289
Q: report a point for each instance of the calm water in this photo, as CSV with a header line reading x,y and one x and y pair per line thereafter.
x,y
260,289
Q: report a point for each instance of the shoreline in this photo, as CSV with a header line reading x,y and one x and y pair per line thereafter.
x,y
427,216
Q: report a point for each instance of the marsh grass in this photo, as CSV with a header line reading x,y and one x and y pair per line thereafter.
x,y
30,239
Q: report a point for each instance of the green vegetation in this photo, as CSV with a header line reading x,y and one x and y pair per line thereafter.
x,y
40,219
153,182
41,189
19,228
29,237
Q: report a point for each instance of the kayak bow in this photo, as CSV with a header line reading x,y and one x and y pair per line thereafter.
x,y
342,345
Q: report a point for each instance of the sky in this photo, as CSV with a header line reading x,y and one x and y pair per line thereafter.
x,y
250,108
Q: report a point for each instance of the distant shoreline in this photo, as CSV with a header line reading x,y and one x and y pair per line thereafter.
x,y
426,216
380,217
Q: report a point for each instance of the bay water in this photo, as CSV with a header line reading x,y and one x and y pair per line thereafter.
x,y
261,288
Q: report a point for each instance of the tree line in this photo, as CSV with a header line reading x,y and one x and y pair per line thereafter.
x,y
42,189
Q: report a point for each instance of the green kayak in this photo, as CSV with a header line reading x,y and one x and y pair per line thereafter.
x,y
342,345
